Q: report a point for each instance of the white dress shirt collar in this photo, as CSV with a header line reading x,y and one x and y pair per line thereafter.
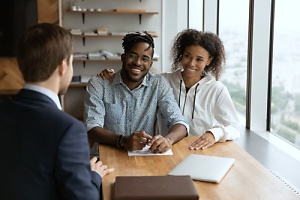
x,y
44,91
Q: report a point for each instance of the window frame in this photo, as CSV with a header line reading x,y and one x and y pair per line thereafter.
x,y
259,66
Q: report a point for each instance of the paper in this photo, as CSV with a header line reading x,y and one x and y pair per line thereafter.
x,y
145,152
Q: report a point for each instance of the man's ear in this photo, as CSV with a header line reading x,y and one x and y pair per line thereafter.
x,y
62,67
151,62
123,57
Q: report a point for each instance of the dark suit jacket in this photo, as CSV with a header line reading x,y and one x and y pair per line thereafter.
x,y
44,152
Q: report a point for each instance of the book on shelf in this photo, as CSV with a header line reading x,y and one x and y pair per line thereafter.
x,y
90,33
76,31
76,79
81,79
80,55
96,56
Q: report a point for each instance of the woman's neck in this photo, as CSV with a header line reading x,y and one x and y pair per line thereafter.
x,y
189,82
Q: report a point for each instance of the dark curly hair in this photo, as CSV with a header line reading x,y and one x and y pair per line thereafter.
x,y
209,41
132,39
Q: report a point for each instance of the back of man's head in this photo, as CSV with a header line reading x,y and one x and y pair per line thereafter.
x,y
132,39
41,49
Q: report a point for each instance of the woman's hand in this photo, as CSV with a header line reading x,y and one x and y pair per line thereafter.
x,y
203,142
107,73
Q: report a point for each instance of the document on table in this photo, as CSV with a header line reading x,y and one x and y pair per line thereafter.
x,y
145,152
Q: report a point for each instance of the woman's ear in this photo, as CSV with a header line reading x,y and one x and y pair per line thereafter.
x,y
209,60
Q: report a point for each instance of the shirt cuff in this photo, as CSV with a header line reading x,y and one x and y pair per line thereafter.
x,y
218,134
96,179
90,126
186,126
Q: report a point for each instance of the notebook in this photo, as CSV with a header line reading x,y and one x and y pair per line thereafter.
x,y
155,188
203,168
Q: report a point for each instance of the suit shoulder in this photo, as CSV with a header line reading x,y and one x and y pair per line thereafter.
x,y
62,118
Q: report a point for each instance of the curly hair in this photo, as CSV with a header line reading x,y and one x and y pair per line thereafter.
x,y
207,40
132,39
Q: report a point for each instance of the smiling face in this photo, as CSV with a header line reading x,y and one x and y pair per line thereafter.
x,y
194,60
136,64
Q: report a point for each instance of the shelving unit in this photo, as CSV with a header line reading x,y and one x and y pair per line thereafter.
x,y
101,36
140,13
120,21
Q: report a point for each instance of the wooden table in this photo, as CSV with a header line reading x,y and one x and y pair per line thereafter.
x,y
247,179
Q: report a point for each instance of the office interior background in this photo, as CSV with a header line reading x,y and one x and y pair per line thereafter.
x,y
261,39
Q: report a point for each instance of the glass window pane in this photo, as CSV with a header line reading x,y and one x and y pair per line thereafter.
x,y
233,30
285,107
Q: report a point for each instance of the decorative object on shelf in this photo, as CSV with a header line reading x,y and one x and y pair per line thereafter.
x,y
102,31
74,5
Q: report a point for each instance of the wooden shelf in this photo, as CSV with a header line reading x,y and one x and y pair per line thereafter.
x,y
97,60
140,13
112,12
104,36
99,36
84,61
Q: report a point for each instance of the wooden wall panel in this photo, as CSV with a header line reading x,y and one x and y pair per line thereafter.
x,y
10,76
48,11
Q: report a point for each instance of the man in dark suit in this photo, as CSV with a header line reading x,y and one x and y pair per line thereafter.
x,y
44,151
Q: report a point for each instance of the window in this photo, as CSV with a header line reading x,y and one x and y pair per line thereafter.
x,y
233,30
230,19
285,99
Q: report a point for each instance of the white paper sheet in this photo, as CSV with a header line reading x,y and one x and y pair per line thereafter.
x,y
145,152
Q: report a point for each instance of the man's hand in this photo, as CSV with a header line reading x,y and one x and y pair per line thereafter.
x,y
107,73
136,141
160,144
98,167
205,141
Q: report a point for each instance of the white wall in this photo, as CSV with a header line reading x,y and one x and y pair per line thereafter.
x,y
171,18
174,19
